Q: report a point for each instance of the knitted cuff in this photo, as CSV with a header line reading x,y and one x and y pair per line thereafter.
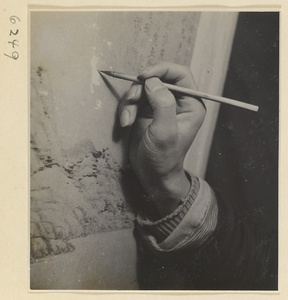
x,y
162,228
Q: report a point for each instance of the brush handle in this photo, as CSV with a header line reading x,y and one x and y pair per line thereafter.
x,y
188,92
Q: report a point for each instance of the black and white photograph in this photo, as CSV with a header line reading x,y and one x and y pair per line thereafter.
x,y
154,139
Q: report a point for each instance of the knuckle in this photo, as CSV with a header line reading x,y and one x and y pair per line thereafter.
x,y
160,63
164,99
186,70
162,137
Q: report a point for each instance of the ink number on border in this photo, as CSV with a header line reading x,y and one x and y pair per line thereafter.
x,y
13,42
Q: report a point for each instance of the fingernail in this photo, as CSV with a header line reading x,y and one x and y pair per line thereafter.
x,y
153,83
131,93
124,118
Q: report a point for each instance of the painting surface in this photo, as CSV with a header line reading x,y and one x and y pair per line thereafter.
x,y
79,169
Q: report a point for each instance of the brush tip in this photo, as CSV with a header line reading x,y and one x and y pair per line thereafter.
x,y
105,72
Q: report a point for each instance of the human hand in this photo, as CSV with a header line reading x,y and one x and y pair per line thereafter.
x,y
164,127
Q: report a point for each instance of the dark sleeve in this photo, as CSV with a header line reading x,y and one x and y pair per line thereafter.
x,y
235,256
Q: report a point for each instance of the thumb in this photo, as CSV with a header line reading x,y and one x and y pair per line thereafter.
x,y
164,126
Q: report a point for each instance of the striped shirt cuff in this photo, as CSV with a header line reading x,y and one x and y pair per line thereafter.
x,y
189,226
162,228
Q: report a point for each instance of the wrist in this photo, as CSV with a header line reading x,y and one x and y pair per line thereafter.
x,y
166,195
161,228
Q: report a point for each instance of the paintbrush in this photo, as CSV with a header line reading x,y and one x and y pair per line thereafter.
x,y
186,91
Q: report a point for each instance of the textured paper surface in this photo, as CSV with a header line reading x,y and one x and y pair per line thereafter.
x,y
81,184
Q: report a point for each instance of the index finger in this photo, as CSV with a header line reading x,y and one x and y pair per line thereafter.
x,y
170,73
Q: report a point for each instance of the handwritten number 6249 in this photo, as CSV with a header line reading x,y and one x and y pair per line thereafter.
x,y
14,55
